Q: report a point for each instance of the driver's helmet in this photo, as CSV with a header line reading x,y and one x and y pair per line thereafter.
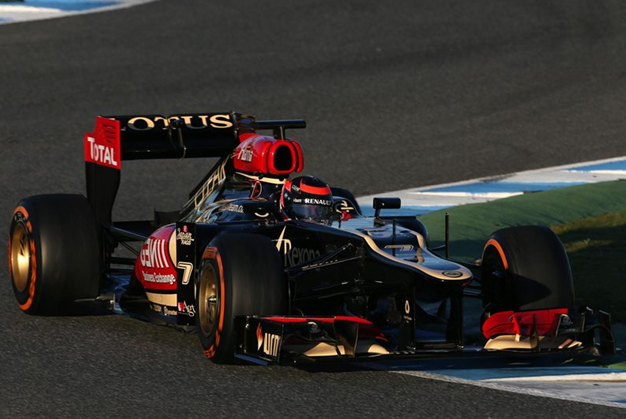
x,y
307,198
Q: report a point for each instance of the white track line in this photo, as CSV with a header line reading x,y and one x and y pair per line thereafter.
x,y
27,9
26,13
609,377
438,196
512,389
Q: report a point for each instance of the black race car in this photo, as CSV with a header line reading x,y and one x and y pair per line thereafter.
x,y
266,267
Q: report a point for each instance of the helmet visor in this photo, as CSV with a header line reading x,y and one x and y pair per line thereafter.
x,y
312,212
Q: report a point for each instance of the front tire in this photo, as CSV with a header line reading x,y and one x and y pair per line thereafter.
x,y
54,253
241,275
526,268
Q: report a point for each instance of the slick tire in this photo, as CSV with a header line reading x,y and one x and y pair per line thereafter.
x,y
241,274
54,254
526,268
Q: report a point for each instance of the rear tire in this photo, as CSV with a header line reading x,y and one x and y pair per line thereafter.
x,y
526,268
241,275
54,253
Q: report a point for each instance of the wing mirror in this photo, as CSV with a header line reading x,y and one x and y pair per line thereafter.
x,y
387,203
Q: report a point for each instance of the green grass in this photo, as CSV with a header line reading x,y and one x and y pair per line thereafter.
x,y
596,247
471,225
589,219
618,366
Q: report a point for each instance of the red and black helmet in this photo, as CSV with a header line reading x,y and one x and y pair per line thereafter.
x,y
307,198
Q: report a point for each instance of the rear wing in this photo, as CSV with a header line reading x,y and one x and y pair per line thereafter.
x,y
158,137
135,137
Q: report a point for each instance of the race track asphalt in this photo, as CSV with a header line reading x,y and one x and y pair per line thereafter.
x,y
396,94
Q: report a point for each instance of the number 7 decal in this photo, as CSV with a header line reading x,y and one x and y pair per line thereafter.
x,y
187,268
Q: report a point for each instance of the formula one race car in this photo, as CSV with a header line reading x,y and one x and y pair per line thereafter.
x,y
267,267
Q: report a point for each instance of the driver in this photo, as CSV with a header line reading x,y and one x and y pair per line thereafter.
x,y
307,198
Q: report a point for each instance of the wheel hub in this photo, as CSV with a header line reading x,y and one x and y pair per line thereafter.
x,y
20,257
208,301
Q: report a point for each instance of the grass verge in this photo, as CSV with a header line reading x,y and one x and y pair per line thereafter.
x,y
589,219
596,247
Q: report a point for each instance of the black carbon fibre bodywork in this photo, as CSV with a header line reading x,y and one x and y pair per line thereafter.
x,y
357,286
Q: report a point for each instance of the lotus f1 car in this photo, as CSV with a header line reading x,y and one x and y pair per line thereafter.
x,y
257,284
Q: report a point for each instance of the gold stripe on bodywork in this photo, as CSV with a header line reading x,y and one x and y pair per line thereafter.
x,y
266,179
435,273
163,299
528,343
323,349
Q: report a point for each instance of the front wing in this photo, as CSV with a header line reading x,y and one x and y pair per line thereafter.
x,y
274,339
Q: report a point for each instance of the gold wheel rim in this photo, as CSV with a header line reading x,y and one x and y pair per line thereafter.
x,y
208,301
20,257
